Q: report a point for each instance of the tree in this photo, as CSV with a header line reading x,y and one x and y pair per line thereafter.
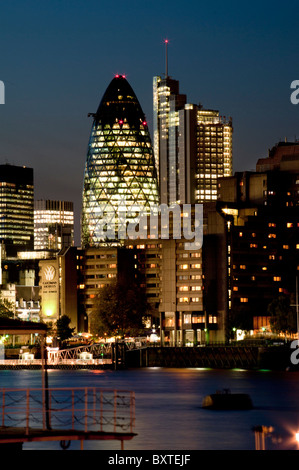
x,y
6,308
119,310
63,329
241,318
282,315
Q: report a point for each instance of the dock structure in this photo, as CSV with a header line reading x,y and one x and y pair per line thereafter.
x,y
91,356
61,414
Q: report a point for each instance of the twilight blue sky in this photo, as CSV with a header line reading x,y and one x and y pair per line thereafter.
x,y
58,57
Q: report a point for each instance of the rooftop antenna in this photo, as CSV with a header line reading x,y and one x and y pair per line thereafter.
x,y
166,58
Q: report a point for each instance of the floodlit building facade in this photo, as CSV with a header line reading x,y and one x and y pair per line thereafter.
x,y
58,284
120,168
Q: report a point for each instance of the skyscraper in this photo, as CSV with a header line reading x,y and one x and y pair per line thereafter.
x,y
167,101
16,208
120,167
53,224
192,145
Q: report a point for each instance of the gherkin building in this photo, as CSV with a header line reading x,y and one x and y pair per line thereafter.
x,y
120,180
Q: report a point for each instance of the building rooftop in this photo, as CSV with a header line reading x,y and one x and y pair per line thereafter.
x,y
120,103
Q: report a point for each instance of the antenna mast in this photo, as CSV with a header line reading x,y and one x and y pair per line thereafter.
x,y
166,58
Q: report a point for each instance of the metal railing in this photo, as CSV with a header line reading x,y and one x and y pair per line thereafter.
x,y
98,350
86,409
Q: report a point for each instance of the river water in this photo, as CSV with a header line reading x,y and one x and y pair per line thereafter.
x,y
168,406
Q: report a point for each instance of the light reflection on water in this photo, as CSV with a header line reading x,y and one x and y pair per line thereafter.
x,y
168,406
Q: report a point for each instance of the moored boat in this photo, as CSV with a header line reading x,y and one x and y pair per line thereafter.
x,y
225,400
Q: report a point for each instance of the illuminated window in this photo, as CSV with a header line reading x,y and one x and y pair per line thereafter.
x,y
212,319
243,299
198,319
187,318
169,322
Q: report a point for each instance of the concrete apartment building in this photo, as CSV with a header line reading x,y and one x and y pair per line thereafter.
x,y
260,210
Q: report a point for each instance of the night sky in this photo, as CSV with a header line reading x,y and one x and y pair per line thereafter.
x,y
58,57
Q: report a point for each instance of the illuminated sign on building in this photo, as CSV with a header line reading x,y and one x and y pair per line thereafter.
x,y
49,284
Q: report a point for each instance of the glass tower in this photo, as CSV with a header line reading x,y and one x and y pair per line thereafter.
x,y
16,208
166,102
192,145
53,224
120,178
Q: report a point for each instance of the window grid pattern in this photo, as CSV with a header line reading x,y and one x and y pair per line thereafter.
x,y
120,167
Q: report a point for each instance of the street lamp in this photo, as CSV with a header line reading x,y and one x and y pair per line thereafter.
x,y
260,432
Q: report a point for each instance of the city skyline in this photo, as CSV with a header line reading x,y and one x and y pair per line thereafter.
x,y
57,60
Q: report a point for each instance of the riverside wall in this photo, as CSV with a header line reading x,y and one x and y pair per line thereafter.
x,y
226,357
214,357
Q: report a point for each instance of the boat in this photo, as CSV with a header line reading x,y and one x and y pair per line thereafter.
x,y
225,400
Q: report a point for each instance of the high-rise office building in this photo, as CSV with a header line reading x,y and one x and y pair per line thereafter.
x,y
260,211
192,145
120,168
16,208
53,224
166,101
